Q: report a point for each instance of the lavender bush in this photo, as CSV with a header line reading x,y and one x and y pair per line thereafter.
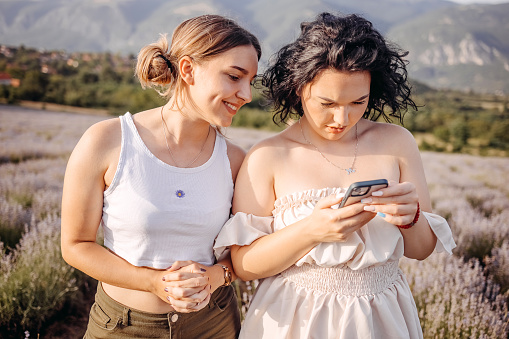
x,y
35,281
456,299
459,296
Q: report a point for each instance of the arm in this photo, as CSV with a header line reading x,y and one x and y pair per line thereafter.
x,y
399,201
271,254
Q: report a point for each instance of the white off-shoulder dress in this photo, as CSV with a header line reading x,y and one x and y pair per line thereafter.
x,y
351,289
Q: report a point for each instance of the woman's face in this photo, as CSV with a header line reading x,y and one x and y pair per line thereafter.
x,y
222,84
335,101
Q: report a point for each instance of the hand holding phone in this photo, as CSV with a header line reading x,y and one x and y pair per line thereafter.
x,y
361,189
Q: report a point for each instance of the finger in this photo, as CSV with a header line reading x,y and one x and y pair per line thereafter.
x,y
349,211
200,296
330,201
390,200
194,267
191,304
197,296
394,209
194,307
351,225
186,279
182,307
204,303
179,264
404,193
182,293
397,219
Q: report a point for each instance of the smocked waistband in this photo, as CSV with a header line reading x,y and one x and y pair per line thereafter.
x,y
343,280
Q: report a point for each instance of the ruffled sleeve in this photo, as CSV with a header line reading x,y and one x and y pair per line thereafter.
x,y
439,226
242,229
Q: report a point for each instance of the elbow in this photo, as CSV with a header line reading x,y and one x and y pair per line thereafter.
x,y
66,250
240,268
65,254
422,252
422,256
244,275
240,272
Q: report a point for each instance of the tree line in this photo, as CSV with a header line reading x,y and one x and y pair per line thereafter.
x,y
446,120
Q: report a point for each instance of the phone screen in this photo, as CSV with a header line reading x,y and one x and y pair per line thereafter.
x,y
361,189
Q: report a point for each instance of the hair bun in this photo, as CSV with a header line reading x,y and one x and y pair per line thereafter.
x,y
166,60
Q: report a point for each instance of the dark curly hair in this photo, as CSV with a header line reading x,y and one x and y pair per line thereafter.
x,y
345,43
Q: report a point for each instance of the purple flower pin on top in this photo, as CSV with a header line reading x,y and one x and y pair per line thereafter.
x,y
180,194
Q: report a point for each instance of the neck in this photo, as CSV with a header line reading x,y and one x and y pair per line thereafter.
x,y
183,128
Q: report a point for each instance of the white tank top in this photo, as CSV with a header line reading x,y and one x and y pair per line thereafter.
x,y
155,214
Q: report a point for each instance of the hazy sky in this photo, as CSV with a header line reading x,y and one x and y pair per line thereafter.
x,y
480,1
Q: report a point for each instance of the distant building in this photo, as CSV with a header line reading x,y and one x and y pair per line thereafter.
x,y
5,79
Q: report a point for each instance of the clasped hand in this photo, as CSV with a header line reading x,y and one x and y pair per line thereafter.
x,y
186,286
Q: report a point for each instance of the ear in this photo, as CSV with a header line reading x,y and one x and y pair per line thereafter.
x,y
186,69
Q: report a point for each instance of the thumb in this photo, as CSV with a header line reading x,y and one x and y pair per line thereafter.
x,y
330,201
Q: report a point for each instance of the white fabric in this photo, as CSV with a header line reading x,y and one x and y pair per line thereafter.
x,y
352,289
144,219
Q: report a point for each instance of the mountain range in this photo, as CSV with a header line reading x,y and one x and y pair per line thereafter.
x,y
463,47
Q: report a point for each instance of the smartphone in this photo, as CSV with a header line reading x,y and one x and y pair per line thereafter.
x,y
361,189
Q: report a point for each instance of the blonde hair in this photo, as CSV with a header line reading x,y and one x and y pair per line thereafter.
x,y
199,38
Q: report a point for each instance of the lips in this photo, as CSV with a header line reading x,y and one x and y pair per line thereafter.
x,y
231,107
336,130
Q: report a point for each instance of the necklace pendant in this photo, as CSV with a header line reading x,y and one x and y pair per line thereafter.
x,y
350,170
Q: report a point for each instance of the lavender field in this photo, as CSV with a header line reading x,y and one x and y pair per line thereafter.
x,y
461,296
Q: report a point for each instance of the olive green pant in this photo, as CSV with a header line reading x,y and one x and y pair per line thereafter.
x,y
219,319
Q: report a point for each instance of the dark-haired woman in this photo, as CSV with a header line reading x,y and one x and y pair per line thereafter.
x,y
329,272
160,183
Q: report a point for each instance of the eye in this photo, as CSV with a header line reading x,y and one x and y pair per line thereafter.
x,y
233,77
326,104
362,102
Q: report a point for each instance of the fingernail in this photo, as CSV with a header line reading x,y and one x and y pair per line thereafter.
x,y
166,289
164,279
168,297
369,208
377,194
366,200
203,270
380,214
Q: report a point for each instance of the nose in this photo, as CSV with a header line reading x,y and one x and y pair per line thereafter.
x,y
244,92
341,115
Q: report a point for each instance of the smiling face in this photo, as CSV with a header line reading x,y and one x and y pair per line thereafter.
x,y
221,85
335,101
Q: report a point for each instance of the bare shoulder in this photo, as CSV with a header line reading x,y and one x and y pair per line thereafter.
x,y
104,128
392,138
100,142
270,149
254,189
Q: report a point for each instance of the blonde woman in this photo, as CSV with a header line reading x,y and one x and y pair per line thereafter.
x,y
160,183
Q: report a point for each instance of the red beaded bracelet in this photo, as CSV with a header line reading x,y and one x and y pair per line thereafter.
x,y
416,218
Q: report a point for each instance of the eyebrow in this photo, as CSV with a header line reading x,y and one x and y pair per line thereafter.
x,y
359,99
244,71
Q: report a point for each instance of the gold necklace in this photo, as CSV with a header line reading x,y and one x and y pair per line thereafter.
x,y
348,170
165,129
